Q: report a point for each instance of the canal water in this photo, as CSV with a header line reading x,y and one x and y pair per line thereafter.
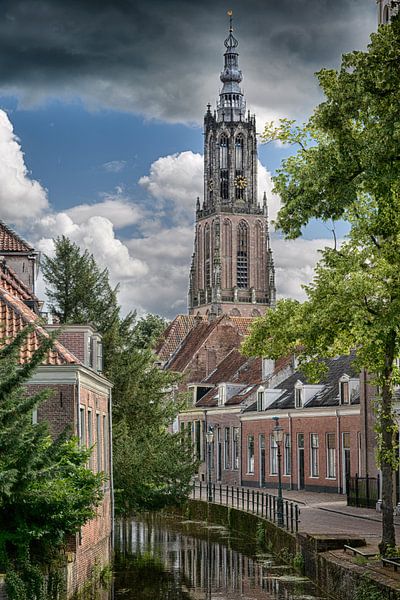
x,y
168,558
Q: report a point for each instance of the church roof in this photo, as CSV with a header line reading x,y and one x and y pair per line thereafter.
x,y
12,242
192,343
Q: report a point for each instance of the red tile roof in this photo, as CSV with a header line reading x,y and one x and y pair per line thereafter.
x,y
226,369
10,282
11,242
174,335
191,344
14,316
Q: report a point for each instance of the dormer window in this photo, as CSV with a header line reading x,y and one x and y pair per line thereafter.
x,y
298,396
344,392
221,395
260,399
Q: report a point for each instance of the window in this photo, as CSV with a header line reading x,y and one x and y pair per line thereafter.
x,y
288,455
314,444
98,442
105,444
331,456
239,144
260,401
222,395
197,438
82,423
235,439
90,436
223,166
385,18
273,455
344,392
242,256
227,448
207,255
298,397
250,453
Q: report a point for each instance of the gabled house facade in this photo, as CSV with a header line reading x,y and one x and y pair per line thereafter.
x,y
80,400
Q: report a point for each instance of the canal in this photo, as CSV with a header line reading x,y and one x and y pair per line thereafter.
x,y
168,558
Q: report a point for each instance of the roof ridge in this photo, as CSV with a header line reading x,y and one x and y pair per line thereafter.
x,y
15,235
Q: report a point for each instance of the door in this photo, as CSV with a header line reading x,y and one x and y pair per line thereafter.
x,y
262,459
300,460
219,454
346,460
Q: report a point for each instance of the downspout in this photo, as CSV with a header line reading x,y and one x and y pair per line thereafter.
x,y
110,442
338,452
78,405
366,466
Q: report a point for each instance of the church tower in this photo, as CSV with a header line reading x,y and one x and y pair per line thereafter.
x,y
386,10
232,268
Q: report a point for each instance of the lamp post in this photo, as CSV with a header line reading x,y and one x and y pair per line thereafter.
x,y
278,433
210,440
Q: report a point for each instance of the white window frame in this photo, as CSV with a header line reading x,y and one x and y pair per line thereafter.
x,y
287,454
330,456
227,444
260,400
273,455
250,457
344,384
235,448
314,455
298,396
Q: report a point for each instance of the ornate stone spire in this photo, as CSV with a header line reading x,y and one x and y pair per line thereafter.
x,y
231,106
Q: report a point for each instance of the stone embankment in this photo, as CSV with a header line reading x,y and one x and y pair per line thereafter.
x,y
338,573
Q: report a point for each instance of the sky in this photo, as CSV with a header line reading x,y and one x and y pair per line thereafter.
x,y
101,111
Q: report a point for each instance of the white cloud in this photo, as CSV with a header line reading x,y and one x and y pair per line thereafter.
x,y
120,212
295,261
179,178
96,235
21,197
114,166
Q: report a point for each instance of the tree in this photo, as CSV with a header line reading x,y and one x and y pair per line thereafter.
x,y
348,166
152,466
46,490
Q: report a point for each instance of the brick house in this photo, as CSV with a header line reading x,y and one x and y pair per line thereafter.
x,y
80,401
321,444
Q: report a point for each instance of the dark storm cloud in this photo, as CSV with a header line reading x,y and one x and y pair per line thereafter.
x,y
161,58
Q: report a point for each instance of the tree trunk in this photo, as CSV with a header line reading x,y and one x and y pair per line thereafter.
x,y
386,424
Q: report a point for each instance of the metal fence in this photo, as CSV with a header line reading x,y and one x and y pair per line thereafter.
x,y
363,491
255,501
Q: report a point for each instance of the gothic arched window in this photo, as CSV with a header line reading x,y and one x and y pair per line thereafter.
x,y
223,166
239,165
207,256
386,17
242,263
227,254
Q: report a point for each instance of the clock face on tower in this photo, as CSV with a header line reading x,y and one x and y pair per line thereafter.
x,y
241,182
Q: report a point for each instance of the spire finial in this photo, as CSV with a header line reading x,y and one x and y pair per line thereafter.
x,y
230,15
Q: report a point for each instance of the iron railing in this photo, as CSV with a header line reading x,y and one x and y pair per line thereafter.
x,y
254,501
363,491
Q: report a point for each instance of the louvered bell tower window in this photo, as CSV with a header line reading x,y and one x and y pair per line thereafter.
x,y
223,166
239,179
242,256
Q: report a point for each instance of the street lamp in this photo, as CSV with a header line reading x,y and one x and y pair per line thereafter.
x,y
210,440
278,433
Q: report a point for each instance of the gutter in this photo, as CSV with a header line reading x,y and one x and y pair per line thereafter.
x,y
111,461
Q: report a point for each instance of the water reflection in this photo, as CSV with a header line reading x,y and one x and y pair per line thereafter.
x,y
170,559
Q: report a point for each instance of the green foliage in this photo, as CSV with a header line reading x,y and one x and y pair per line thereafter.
x,y
46,490
298,563
261,535
347,167
367,590
152,467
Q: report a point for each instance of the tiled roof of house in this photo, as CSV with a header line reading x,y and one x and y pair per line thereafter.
x,y
11,242
191,344
174,335
226,369
327,396
10,282
174,339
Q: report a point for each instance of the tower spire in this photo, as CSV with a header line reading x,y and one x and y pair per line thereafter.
x,y
231,101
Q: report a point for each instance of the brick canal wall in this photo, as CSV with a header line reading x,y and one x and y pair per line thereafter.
x,y
324,562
